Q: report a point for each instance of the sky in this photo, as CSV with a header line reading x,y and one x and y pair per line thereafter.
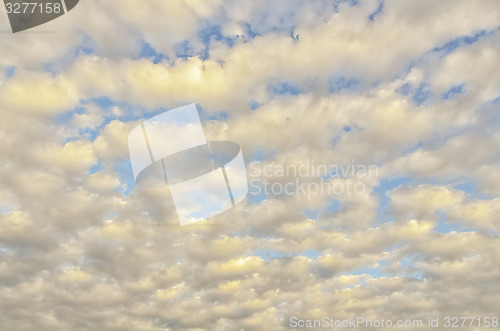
x,y
409,88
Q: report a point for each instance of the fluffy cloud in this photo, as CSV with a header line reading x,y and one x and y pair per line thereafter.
x,y
409,88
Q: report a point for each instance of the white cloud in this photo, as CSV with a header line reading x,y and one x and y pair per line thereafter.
x,y
83,248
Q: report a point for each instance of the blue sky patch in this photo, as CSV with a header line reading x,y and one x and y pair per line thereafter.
x,y
337,3
95,168
253,105
375,272
379,10
419,95
250,33
381,190
450,46
148,52
293,35
124,170
284,88
311,213
454,90
10,71
268,255
211,33
262,155
338,83
212,115
184,50
83,50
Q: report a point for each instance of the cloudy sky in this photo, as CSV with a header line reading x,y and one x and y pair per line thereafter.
x,y
410,87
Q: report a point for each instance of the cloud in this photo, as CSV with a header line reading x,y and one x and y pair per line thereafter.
x,y
82,247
